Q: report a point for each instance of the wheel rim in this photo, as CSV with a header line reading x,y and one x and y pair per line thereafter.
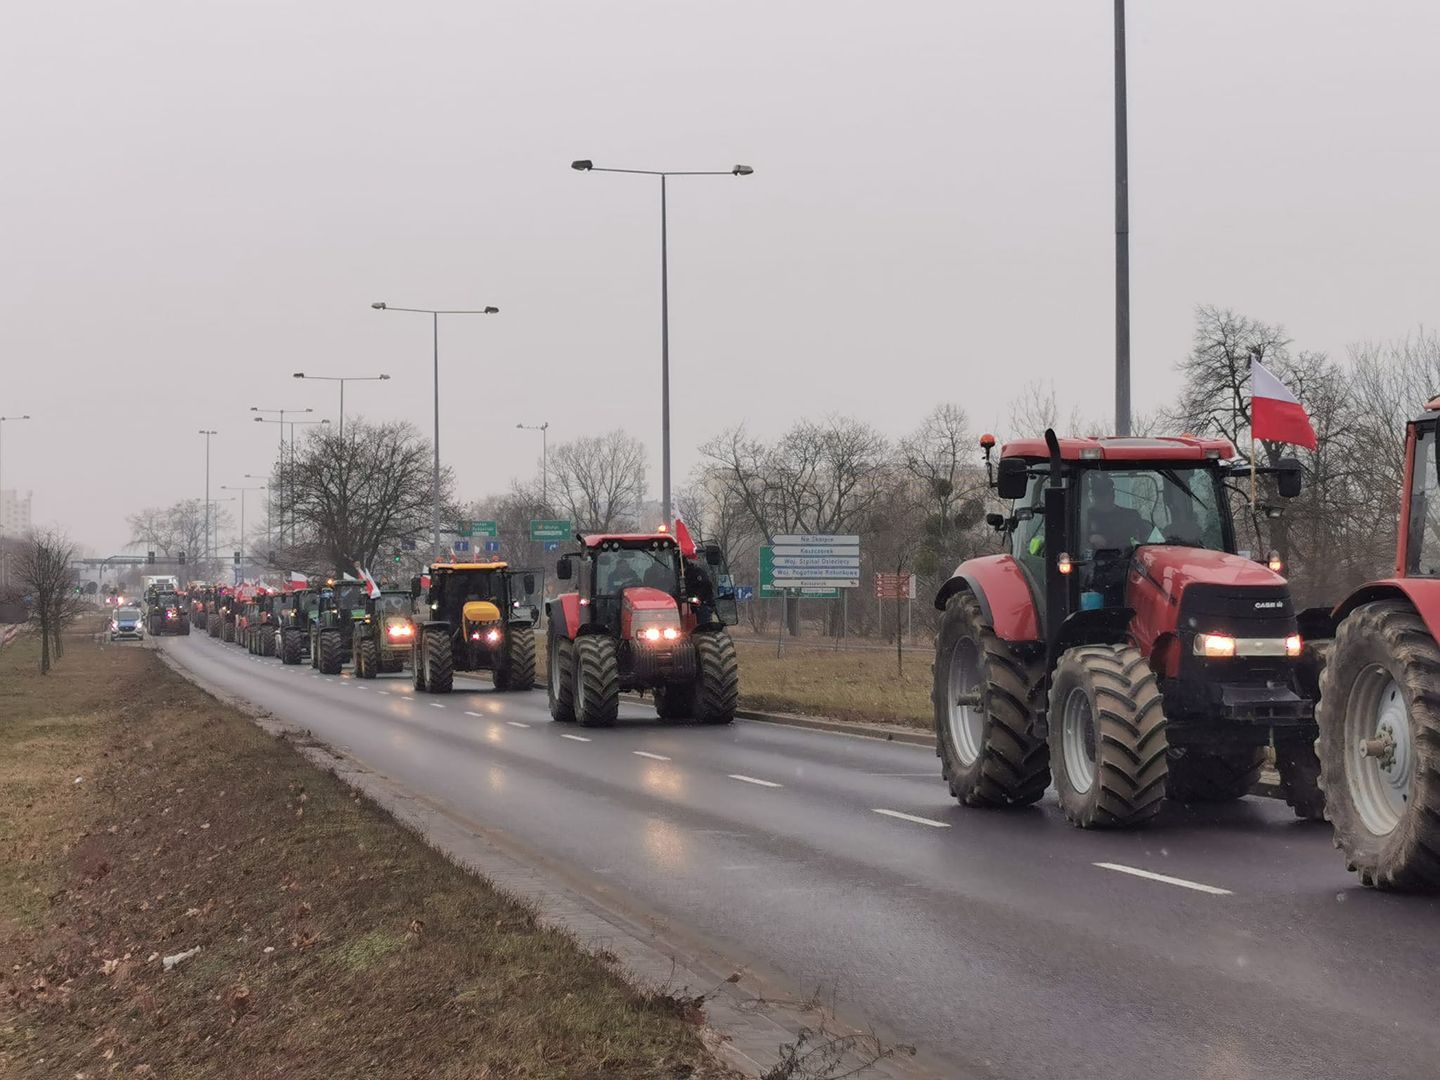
x,y
1077,737
1382,752
966,723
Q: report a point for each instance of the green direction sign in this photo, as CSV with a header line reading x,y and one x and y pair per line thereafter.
x,y
550,530
463,527
768,591
477,528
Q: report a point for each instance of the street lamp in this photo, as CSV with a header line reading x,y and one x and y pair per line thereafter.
x,y
586,165
435,314
242,490
1122,233
282,422
4,420
544,459
342,380
207,433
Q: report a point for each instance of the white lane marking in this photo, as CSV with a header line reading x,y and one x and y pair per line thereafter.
x,y
436,705
576,738
385,692
751,780
359,687
911,817
516,723
474,714
652,757
1166,879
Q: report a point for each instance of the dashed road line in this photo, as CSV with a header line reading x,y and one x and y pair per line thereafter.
x,y
385,692
436,705
478,716
752,780
574,738
912,817
1164,879
514,723
652,757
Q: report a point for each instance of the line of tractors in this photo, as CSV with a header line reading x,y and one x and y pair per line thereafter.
x,y
643,616
1124,649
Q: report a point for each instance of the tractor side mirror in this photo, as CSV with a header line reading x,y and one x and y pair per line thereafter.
x,y
713,555
414,588
1288,477
1012,478
995,521
563,570
529,581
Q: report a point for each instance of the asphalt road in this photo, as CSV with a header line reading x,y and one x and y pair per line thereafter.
x,y
1001,944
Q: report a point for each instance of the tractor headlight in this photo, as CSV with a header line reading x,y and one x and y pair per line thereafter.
x,y
400,631
1214,646
1294,645
492,636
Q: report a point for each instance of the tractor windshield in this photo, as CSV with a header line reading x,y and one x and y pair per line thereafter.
x,y
393,604
625,568
1422,547
1124,508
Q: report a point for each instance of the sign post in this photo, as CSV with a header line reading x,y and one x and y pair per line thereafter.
x,y
816,566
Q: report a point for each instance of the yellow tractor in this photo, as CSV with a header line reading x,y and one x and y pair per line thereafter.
x,y
480,617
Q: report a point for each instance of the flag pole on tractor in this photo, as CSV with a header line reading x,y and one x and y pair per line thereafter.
x,y
1276,414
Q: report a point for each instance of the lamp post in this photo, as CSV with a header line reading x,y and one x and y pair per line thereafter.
x,y
208,434
342,380
242,490
282,422
544,461
3,421
586,165
1122,232
435,314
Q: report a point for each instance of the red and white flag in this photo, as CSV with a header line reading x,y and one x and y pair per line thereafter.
x,y
1276,413
684,539
297,578
371,589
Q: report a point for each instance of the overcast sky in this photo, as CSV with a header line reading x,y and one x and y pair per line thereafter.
x,y
198,198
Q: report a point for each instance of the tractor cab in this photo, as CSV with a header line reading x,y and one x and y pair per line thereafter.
x,y
486,615
1124,603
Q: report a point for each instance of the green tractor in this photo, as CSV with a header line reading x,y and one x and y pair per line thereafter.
x,y
382,639
481,617
294,614
332,629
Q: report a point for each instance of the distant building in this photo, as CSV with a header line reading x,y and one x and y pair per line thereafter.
x,y
15,512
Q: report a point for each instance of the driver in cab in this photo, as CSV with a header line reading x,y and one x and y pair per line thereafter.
x,y
1110,526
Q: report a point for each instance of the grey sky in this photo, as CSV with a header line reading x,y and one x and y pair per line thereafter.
x,y
201,197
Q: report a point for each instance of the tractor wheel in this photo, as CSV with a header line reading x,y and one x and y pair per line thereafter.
x,y
1379,722
270,642
1107,737
290,647
1295,757
596,681
367,658
394,664
560,684
987,754
1196,776
518,671
212,627
717,680
675,701
439,662
330,650
227,633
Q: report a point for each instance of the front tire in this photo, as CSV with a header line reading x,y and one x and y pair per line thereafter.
x,y
518,670
439,662
1379,718
987,754
367,658
290,647
1107,737
717,678
597,681
560,681
331,650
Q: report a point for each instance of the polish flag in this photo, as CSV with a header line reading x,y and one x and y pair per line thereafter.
x,y
1276,413
684,539
297,578
372,590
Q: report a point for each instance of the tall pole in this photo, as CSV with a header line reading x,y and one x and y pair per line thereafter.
x,y
435,474
545,465
208,550
342,409
1122,233
664,360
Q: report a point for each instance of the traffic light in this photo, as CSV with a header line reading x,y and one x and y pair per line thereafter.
x,y
182,558
150,557
237,558
397,556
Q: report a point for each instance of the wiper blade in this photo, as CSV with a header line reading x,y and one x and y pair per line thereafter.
x,y
1174,478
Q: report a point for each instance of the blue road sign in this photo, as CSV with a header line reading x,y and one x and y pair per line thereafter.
x,y
552,545
407,545
744,593
492,546
462,546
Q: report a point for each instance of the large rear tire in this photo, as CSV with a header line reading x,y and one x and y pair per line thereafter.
x,y
717,677
1206,777
597,681
1107,737
367,658
560,680
439,662
518,671
290,649
1379,746
212,627
227,633
331,651
987,754
269,641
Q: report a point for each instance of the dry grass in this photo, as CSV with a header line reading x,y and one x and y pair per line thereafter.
x,y
846,685
333,942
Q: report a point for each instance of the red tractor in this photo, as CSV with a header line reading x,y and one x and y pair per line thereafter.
x,y
1379,711
1121,645
643,617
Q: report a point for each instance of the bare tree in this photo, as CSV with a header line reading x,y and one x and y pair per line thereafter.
x,y
599,480
47,577
173,529
356,493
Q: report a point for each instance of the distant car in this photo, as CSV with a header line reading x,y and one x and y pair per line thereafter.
x,y
127,623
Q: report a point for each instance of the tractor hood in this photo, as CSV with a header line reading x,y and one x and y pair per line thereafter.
x,y
643,598
480,611
1173,568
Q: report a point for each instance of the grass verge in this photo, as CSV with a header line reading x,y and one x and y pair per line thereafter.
x,y
143,819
